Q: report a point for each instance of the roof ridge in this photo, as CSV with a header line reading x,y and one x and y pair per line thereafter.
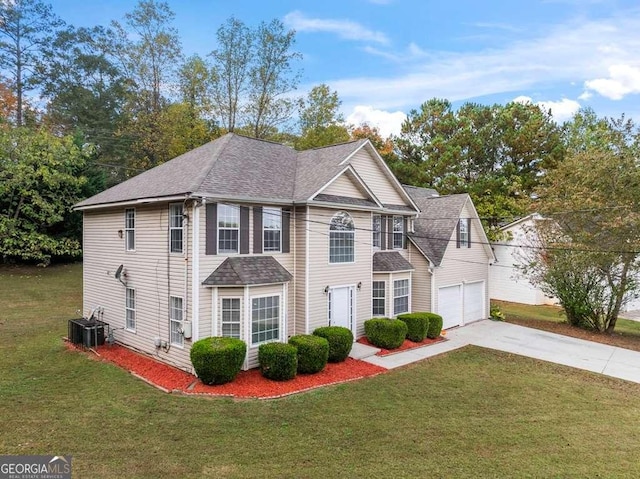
x,y
273,142
334,144
204,172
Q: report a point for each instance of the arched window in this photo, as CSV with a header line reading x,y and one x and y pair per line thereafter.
x,y
341,239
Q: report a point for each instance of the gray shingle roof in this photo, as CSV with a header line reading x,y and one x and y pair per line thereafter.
x,y
236,166
437,222
243,270
317,166
388,261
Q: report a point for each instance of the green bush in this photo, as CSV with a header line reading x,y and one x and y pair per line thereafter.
x,y
417,325
435,325
385,333
218,360
340,341
313,352
278,361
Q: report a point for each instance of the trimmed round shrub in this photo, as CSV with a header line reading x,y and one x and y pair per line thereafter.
x,y
435,325
313,352
340,341
278,361
218,360
385,333
417,325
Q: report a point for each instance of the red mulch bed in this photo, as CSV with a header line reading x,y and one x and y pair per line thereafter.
x,y
406,345
248,384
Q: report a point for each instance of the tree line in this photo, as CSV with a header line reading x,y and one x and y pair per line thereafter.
x,y
84,108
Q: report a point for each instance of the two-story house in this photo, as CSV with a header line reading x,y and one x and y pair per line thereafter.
x,y
251,239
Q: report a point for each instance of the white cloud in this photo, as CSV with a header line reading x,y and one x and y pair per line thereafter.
x,y
623,80
387,122
347,29
567,52
561,110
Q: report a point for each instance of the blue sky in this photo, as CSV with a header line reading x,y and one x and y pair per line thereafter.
x,y
385,57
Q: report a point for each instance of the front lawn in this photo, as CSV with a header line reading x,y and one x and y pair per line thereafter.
x,y
551,318
470,413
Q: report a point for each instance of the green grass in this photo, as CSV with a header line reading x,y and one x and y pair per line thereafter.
x,y
555,314
471,413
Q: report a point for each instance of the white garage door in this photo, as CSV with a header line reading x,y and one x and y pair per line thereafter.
x,y
473,301
450,306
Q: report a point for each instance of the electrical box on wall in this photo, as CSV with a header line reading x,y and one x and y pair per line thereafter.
x,y
186,329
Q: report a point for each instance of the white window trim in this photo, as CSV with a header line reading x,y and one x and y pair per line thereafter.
x,y
408,280
127,308
384,298
464,243
374,232
401,232
353,232
280,319
272,211
127,229
219,229
172,228
172,320
221,309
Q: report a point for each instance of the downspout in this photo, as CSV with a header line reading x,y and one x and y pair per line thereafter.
x,y
195,270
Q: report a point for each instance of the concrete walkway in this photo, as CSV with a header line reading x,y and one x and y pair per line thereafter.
x,y
578,353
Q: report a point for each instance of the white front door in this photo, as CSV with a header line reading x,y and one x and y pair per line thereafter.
x,y
341,307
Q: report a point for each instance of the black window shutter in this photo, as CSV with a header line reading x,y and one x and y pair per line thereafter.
x,y
286,230
404,230
458,234
383,233
390,232
211,242
244,230
469,232
257,229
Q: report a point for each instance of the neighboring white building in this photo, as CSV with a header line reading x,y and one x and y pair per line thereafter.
x,y
506,282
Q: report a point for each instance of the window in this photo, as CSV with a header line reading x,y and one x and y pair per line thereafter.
x,y
376,229
400,296
341,239
272,228
465,240
265,319
130,308
228,228
231,317
175,228
398,232
130,229
175,320
378,298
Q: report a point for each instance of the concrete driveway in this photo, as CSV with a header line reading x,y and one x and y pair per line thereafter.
x,y
578,353
632,315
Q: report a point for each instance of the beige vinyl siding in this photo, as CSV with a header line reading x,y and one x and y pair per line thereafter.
x,y
345,186
146,272
421,280
464,265
322,273
376,179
